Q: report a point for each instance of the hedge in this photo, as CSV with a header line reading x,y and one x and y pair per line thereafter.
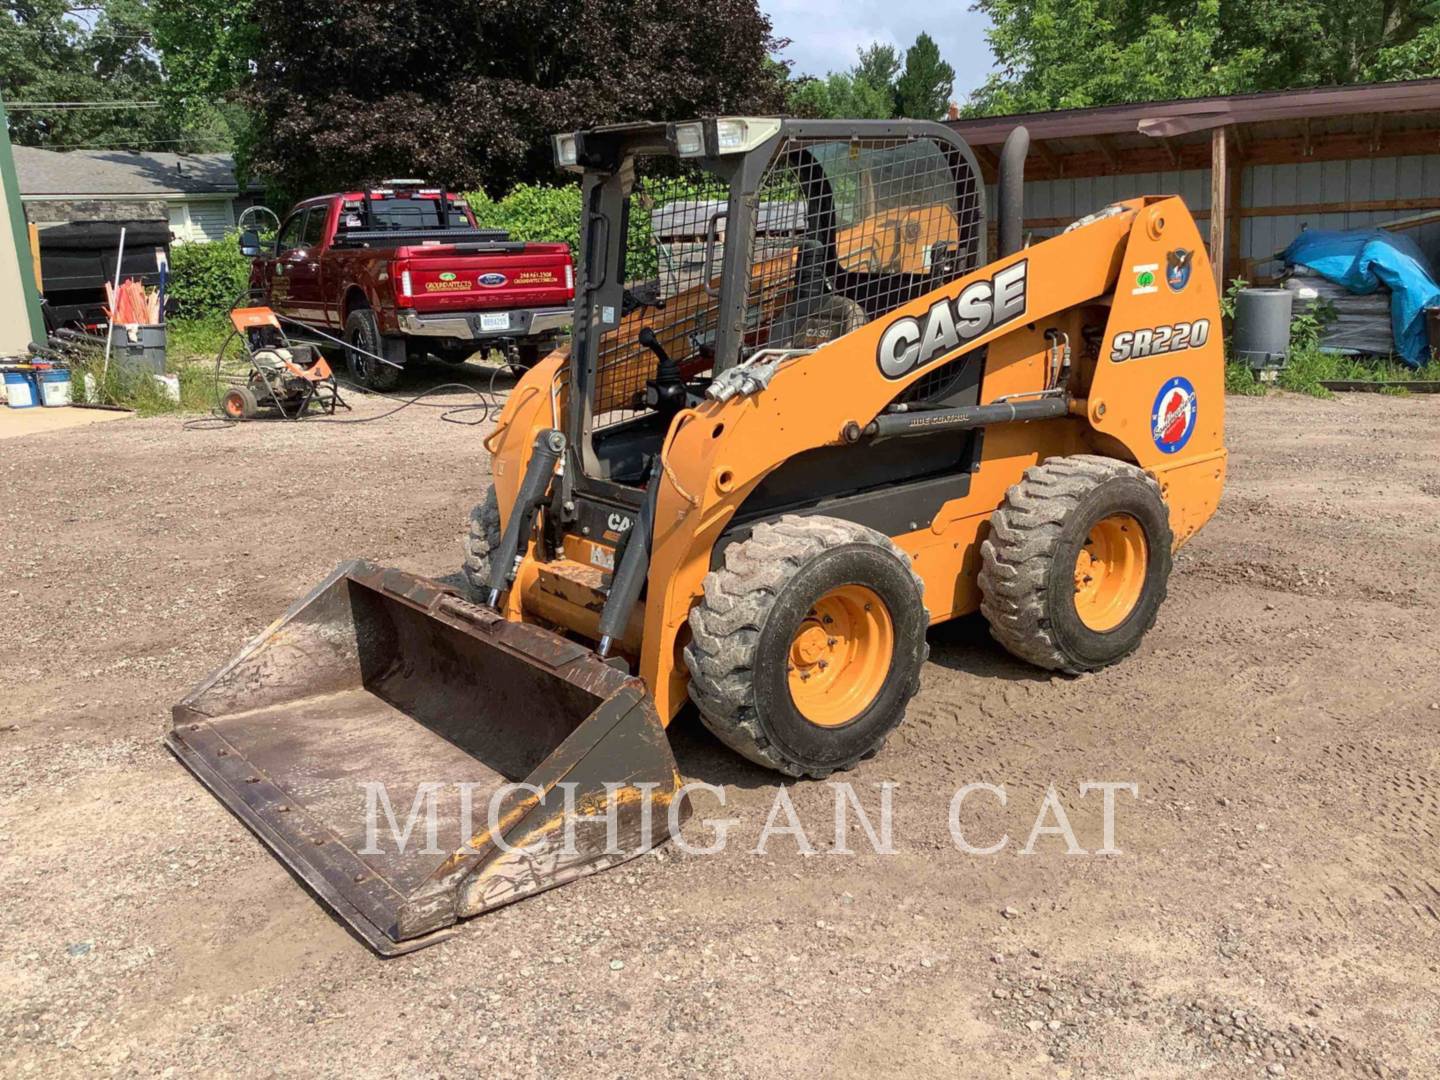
x,y
538,212
532,212
206,277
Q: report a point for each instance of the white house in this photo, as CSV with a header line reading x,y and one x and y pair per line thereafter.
x,y
197,193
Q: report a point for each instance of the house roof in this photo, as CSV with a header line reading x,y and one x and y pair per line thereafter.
x,y
122,172
1193,115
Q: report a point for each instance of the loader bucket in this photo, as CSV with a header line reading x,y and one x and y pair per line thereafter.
x,y
525,760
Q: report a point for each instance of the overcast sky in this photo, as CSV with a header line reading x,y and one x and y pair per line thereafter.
x,y
824,34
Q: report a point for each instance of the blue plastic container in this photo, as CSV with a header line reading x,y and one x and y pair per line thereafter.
x,y
54,387
20,390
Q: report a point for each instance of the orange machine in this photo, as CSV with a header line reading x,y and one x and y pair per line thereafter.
x,y
833,420
284,377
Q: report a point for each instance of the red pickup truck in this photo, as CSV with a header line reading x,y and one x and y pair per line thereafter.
x,y
402,271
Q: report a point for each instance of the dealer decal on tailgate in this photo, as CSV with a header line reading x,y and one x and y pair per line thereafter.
x,y
1138,344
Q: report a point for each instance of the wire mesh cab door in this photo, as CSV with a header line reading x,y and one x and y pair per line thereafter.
x,y
822,228
654,242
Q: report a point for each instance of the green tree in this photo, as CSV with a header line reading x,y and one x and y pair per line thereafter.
x,y
923,89
208,48
879,65
879,85
1055,54
468,93
53,51
841,94
865,92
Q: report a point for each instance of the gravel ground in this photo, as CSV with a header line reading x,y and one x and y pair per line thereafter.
x,y
1275,909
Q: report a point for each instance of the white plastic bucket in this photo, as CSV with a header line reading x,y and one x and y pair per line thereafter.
x,y
19,390
169,384
54,388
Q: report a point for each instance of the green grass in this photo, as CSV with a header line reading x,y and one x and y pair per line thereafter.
x,y
192,340
1308,368
117,385
1240,379
198,391
1305,370
1388,370
190,349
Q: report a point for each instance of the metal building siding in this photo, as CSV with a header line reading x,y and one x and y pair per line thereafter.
x,y
1355,181
211,220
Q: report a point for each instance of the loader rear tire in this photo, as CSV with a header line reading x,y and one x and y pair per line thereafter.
x,y
481,538
1077,562
808,644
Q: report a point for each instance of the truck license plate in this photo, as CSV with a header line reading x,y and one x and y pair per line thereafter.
x,y
495,322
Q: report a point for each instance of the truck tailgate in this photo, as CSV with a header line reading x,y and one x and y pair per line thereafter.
x,y
443,279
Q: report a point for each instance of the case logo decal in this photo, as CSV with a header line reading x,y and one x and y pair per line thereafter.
x,y
1172,421
909,343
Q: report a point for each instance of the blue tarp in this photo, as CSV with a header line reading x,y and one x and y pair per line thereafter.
x,y
1364,259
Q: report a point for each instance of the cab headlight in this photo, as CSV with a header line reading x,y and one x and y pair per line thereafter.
x,y
567,151
690,140
738,134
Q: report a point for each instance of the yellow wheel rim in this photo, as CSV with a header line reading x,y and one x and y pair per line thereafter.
x,y
840,656
1110,572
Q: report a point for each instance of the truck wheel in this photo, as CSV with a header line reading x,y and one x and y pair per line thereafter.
x,y
808,645
481,538
362,331
1076,564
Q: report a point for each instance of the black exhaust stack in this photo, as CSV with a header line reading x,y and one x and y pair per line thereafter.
x,y
1011,191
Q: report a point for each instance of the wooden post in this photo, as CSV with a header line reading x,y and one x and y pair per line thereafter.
x,y
1218,175
1234,202
35,255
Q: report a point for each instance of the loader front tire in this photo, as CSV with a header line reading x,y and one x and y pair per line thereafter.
x,y
481,538
1077,562
808,644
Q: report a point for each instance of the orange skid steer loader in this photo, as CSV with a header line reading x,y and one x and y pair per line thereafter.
x,y
807,413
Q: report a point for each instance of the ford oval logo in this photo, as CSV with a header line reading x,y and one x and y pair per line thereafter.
x,y
492,281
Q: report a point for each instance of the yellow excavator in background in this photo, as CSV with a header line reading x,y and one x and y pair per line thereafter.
x,y
807,413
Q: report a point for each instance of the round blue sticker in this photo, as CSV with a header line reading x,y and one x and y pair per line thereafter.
x,y
1173,419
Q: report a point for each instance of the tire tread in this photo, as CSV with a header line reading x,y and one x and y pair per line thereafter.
x,y
482,536
725,629
1017,555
